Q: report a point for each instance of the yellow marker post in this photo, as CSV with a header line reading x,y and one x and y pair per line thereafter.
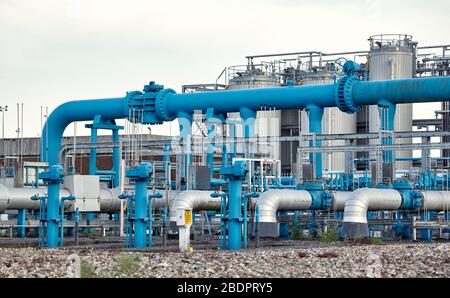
x,y
188,217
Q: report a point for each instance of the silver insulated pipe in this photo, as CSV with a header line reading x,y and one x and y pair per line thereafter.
x,y
367,199
339,199
272,201
436,200
194,200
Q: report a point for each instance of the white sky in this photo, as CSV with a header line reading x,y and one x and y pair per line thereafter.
x,y
52,51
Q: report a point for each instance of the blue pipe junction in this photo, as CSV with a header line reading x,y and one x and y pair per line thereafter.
x,y
155,105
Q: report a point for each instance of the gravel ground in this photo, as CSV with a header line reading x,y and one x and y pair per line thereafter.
x,y
301,259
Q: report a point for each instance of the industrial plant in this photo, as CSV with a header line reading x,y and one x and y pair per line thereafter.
x,y
308,156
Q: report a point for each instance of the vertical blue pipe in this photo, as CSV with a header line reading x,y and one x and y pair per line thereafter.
x,y
93,153
140,214
52,214
70,216
313,223
185,123
116,159
296,218
210,153
249,117
92,170
315,115
284,227
387,118
21,220
150,221
234,214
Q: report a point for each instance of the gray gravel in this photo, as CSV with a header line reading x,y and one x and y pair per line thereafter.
x,y
299,260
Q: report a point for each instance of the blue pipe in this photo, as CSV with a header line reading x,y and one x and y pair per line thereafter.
x,y
387,117
21,221
116,159
185,123
284,227
59,119
210,153
315,115
140,177
402,91
234,215
52,214
93,153
157,105
249,117
140,214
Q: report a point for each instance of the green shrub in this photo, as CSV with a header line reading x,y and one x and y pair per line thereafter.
x,y
375,241
86,270
331,235
126,264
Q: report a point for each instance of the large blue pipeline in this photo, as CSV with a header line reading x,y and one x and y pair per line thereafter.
x,y
155,105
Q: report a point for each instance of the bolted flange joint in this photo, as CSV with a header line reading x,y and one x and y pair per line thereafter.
x,y
343,95
54,175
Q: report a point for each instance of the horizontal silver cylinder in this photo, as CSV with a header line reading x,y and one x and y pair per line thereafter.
x,y
272,201
436,200
339,199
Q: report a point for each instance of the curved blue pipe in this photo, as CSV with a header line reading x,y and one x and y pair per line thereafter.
x,y
72,111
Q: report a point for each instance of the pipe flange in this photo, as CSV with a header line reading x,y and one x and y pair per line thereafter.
x,y
343,96
160,105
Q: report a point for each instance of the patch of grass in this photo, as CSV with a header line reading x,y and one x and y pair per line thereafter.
x,y
126,264
297,233
86,270
331,235
375,241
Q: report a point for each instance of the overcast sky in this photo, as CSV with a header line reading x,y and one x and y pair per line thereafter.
x,y
52,51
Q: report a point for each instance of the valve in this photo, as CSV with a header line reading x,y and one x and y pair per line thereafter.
x,y
237,171
54,175
141,172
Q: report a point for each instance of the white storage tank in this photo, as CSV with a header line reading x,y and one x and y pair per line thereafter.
x,y
334,122
267,121
391,57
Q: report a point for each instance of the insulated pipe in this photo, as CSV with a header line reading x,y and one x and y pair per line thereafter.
x,y
436,200
194,200
20,198
272,201
362,200
339,199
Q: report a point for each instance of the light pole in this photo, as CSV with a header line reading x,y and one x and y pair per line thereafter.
x,y
3,110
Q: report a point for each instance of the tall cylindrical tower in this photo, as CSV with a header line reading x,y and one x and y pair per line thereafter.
x,y
391,57
334,122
